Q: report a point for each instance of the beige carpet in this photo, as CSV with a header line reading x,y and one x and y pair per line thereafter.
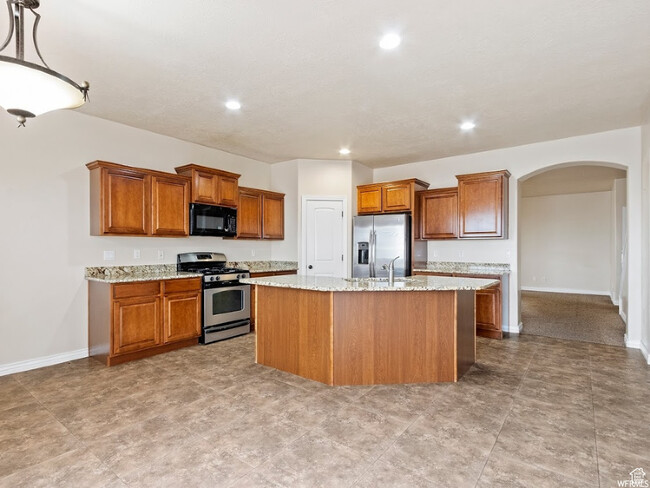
x,y
587,318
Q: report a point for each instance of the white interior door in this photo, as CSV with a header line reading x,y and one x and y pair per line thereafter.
x,y
324,234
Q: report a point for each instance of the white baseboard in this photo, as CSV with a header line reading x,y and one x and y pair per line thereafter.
x,y
623,316
565,290
614,299
644,351
35,363
515,329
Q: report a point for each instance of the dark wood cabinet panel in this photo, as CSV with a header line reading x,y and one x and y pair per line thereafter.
x,y
170,200
369,199
439,213
249,214
182,312
253,290
228,191
125,197
393,196
272,216
129,321
483,205
396,197
136,324
211,186
260,214
137,202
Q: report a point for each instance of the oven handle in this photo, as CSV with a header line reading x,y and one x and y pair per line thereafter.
x,y
232,325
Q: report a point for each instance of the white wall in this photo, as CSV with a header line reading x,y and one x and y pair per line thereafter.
x,y
284,178
619,201
619,147
565,243
44,213
644,266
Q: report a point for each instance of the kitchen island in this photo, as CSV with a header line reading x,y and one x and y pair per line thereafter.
x,y
365,331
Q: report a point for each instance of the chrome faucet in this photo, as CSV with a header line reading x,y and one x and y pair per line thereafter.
x,y
391,271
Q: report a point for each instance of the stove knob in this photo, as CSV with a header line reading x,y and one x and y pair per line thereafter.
x,y
240,276
217,278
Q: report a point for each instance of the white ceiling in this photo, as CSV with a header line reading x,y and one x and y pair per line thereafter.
x,y
311,77
573,179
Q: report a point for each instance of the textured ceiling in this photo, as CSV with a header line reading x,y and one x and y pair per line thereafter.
x,y
573,179
311,77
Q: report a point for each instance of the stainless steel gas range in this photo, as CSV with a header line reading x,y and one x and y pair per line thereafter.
x,y
226,301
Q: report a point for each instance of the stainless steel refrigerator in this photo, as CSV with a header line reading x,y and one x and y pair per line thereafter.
x,y
377,239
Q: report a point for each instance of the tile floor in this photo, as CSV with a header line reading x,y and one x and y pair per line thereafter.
x,y
532,412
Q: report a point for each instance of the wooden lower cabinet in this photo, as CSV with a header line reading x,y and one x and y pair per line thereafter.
x,y
129,321
488,305
253,289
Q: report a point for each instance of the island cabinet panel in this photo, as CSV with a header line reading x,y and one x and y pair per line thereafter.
x,y
260,214
483,205
254,288
439,213
170,199
211,186
357,338
137,202
129,321
297,341
421,349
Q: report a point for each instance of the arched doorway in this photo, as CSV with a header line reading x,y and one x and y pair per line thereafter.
x,y
572,235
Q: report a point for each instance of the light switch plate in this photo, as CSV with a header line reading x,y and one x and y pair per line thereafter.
x,y
109,255
136,254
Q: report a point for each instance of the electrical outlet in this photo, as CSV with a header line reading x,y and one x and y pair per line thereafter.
x,y
508,253
161,254
252,252
435,254
136,254
109,255
461,254
534,278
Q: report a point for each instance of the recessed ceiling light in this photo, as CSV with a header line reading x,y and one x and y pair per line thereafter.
x,y
233,105
344,151
469,125
390,41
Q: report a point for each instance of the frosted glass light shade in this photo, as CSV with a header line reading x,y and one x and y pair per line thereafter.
x,y
30,89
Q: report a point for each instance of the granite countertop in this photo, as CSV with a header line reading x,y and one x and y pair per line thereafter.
x,y
264,266
411,283
458,267
145,272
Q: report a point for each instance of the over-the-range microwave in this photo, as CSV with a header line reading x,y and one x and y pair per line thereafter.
x,y
212,220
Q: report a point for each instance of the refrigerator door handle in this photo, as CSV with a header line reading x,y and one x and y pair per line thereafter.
x,y
373,237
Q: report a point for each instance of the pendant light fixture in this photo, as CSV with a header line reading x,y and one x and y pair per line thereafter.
x,y
28,89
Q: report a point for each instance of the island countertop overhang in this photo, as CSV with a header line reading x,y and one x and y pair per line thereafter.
x,y
403,284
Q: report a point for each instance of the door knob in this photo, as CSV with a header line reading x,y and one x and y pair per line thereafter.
x,y
310,267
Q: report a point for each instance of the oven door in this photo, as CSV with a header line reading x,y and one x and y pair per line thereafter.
x,y
226,304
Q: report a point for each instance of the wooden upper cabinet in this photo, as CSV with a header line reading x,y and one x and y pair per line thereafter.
x,y
272,215
125,196
260,214
369,199
170,201
211,186
394,196
439,213
249,214
483,205
137,202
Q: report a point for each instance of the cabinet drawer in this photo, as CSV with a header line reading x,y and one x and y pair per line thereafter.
x,y
180,285
139,289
